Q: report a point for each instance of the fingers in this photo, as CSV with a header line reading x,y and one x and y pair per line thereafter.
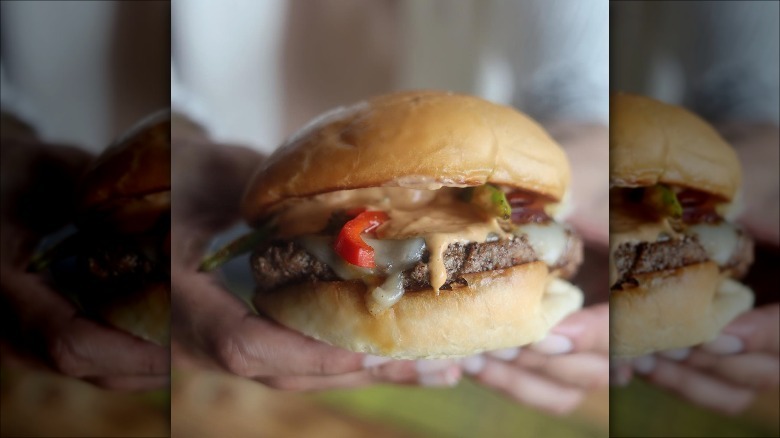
x,y
754,331
585,330
620,373
753,370
587,371
259,348
84,348
554,373
529,388
211,319
699,388
72,344
402,372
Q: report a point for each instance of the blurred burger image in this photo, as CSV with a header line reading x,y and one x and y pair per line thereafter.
x,y
415,225
675,257
116,266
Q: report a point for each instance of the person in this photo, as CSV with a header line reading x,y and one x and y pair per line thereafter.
x,y
721,60
300,68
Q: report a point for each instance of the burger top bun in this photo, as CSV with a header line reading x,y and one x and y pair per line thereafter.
x,y
651,142
130,182
416,139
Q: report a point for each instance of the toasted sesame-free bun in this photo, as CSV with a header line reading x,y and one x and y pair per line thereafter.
x,y
498,309
674,309
416,139
130,182
652,142
144,313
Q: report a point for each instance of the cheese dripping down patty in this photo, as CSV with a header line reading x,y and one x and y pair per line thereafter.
x,y
419,220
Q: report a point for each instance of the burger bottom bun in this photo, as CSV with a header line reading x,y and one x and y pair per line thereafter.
x,y
497,309
145,313
675,308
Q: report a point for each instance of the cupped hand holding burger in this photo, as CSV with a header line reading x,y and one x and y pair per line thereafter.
x,y
554,374
213,328
41,328
727,373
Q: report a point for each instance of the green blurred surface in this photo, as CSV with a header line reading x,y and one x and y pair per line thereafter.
x,y
642,410
468,410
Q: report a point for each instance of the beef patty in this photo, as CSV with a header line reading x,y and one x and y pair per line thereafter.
x,y
117,264
280,263
632,259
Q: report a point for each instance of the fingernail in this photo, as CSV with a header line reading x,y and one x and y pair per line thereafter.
x,y
724,344
429,366
677,354
446,378
473,365
619,372
370,361
505,353
644,364
553,344
619,376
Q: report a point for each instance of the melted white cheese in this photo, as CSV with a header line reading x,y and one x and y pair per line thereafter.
x,y
719,240
385,296
392,257
548,240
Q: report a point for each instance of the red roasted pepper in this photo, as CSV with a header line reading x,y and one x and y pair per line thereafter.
x,y
351,247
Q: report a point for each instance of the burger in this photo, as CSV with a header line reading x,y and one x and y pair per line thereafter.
x,y
675,256
116,266
415,225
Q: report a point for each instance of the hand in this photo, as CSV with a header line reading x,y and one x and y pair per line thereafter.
x,y
587,147
554,374
756,145
41,328
725,374
215,329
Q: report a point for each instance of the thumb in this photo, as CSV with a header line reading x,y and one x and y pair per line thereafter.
x,y
754,331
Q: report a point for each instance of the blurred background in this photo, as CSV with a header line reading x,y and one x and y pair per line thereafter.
x,y
291,60
721,60
83,72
